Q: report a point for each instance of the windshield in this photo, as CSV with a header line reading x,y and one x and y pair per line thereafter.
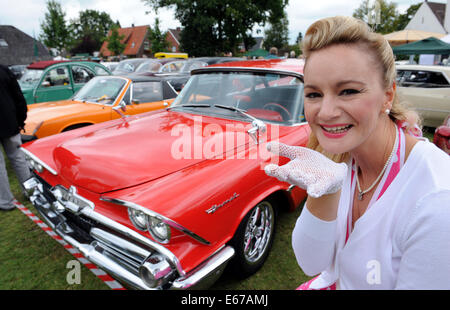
x,y
30,77
128,65
103,90
271,97
191,65
149,66
172,67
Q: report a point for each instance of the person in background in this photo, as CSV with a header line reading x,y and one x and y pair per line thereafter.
x,y
13,112
377,214
273,53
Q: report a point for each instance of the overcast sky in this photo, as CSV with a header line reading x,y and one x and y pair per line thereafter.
x,y
27,15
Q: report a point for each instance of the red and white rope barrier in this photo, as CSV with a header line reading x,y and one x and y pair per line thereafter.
x,y
107,279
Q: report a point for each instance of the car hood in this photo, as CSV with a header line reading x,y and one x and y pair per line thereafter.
x,y
60,108
145,148
39,112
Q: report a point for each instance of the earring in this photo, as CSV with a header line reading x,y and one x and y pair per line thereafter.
x,y
387,111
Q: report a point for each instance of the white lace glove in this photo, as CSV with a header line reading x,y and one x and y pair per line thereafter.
x,y
308,169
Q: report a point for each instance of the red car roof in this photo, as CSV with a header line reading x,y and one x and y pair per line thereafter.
x,y
288,64
44,64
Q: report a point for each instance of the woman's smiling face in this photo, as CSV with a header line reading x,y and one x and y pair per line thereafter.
x,y
344,97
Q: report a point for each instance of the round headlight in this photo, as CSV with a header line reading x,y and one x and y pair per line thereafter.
x,y
159,230
138,218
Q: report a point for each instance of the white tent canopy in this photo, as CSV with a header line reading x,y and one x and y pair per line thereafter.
x,y
446,39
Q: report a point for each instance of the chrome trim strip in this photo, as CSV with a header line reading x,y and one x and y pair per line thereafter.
x,y
35,158
120,244
111,267
69,197
166,220
290,188
170,85
210,269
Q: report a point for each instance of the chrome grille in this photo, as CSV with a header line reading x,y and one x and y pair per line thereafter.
x,y
119,250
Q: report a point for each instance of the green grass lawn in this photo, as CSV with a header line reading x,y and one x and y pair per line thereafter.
x,y
30,259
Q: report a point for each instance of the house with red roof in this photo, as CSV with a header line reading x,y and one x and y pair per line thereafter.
x,y
138,44
173,38
136,40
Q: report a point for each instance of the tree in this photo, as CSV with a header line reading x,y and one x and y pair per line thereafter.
x,y
55,33
85,45
389,18
277,35
89,30
211,27
157,38
387,15
299,38
114,41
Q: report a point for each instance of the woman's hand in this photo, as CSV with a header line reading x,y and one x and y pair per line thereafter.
x,y
308,169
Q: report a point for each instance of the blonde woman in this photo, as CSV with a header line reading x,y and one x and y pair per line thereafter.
x,y
377,214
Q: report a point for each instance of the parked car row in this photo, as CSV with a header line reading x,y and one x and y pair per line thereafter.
x,y
176,70
98,101
59,98
167,199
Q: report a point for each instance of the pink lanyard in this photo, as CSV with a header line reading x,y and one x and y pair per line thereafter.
x,y
390,174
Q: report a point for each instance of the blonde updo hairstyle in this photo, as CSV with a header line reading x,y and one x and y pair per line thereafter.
x,y
348,30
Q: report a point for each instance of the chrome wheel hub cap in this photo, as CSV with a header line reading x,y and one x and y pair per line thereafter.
x,y
258,231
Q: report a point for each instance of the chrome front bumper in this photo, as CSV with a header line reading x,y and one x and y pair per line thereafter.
x,y
136,261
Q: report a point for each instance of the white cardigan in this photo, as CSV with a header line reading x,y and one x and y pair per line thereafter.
x,y
401,242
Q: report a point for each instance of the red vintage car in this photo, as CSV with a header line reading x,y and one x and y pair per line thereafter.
x,y
168,199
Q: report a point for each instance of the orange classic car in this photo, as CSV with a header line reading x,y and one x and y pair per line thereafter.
x,y
102,99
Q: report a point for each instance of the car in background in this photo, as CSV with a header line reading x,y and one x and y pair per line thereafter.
x,y
159,66
128,66
427,90
18,70
96,102
165,200
176,71
150,65
111,65
179,77
171,55
53,80
442,136
218,60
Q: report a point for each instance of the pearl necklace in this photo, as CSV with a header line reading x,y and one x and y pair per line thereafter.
x,y
361,192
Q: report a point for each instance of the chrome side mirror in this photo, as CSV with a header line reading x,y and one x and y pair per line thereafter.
x,y
258,129
121,108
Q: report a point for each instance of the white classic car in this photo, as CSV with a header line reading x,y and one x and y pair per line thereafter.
x,y
427,90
